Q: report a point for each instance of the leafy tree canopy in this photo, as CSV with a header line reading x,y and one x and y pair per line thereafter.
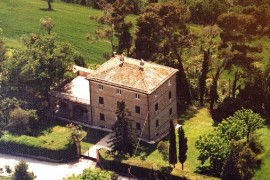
x,y
215,145
32,72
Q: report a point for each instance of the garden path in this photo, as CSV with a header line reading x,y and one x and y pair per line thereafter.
x,y
103,143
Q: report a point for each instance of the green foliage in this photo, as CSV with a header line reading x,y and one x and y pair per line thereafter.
x,y
162,36
182,146
172,146
94,174
6,106
227,108
230,170
32,72
215,145
21,172
22,121
46,24
206,12
252,121
111,24
124,138
163,149
76,136
247,163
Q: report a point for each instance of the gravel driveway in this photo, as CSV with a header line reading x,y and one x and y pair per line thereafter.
x,y
47,170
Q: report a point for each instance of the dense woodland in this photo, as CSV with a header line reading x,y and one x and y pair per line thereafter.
x,y
223,66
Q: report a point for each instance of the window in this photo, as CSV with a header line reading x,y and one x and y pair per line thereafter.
x,y
138,126
102,117
156,95
170,111
101,100
169,82
170,95
137,96
100,87
118,91
156,106
157,123
137,109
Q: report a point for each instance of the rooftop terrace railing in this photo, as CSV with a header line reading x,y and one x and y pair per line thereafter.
x,y
69,97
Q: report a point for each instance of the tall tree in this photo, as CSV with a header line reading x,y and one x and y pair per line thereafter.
x,y
208,46
172,147
162,36
113,24
237,39
124,136
182,146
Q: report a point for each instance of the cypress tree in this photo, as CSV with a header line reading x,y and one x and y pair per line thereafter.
x,y
124,137
172,147
182,146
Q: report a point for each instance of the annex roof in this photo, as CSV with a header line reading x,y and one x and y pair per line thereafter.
x,y
132,74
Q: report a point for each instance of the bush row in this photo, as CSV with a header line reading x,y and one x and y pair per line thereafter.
x,y
14,148
141,170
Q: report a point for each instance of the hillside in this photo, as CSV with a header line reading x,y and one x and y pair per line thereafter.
x,y
18,17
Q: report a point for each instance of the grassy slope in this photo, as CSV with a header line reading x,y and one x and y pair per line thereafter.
x,y
18,17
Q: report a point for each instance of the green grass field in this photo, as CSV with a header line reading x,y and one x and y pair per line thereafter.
x,y
19,17
56,138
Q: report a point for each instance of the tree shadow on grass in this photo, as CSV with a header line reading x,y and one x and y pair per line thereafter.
x,y
187,114
205,170
93,135
46,9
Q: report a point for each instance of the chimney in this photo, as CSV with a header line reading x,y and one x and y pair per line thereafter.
x,y
122,59
142,64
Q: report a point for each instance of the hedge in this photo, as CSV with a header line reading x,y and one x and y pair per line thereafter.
x,y
142,170
14,148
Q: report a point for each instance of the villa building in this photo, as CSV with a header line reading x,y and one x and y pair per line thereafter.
x,y
148,89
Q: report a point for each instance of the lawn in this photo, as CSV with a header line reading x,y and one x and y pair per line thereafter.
x,y
19,17
263,172
197,122
56,138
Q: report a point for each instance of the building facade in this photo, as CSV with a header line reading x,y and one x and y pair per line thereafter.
x,y
148,89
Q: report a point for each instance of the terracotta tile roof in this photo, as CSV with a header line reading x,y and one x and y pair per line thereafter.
x,y
131,74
